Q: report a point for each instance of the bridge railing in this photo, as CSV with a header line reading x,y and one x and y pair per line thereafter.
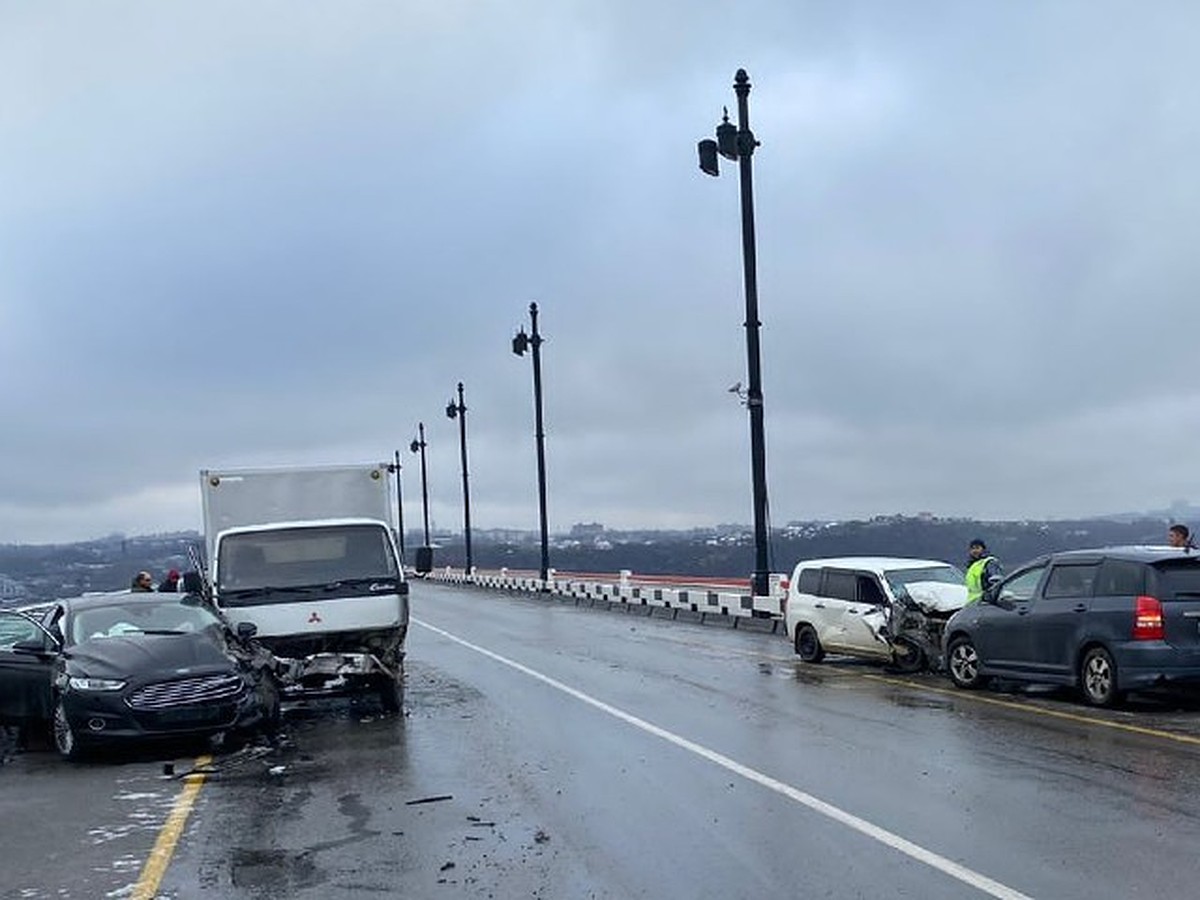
x,y
716,596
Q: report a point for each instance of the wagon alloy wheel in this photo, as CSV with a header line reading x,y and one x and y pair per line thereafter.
x,y
963,662
1098,678
64,735
808,645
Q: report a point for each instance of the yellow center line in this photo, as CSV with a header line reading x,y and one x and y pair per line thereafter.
x,y
1041,711
164,847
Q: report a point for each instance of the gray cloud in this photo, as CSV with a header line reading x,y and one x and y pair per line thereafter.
x,y
278,234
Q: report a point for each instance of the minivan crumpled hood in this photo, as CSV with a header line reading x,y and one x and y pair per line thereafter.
x,y
937,596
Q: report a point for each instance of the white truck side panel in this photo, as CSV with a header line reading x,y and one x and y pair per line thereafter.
x,y
237,497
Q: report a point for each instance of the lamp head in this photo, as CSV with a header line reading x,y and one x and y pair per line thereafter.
x,y
707,149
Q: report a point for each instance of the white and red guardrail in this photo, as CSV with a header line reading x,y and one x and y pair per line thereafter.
x,y
715,596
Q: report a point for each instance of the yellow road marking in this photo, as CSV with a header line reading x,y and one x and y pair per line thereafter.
x,y
1042,711
164,847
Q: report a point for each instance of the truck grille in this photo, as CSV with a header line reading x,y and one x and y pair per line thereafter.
x,y
187,691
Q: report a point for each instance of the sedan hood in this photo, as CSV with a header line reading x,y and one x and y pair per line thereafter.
x,y
937,596
144,656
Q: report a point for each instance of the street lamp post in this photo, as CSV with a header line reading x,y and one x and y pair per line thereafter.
x,y
738,144
395,468
459,411
425,554
520,343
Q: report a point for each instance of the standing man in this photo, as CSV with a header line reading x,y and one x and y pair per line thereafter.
x,y
983,571
1179,536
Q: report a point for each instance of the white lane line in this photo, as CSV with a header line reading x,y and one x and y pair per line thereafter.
x,y
862,826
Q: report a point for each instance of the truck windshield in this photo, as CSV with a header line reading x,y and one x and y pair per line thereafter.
x,y
304,557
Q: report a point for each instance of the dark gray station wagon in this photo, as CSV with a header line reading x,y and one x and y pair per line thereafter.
x,y
1105,621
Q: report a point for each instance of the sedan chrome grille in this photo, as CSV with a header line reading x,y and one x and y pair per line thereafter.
x,y
187,691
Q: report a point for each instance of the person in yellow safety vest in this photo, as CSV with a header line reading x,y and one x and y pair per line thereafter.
x,y
983,571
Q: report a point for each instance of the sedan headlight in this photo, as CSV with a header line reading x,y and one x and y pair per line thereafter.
x,y
95,684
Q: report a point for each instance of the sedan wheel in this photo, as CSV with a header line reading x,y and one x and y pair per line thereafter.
x,y
808,645
1098,678
64,735
962,661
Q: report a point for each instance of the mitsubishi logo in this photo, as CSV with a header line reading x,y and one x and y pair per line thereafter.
x,y
314,618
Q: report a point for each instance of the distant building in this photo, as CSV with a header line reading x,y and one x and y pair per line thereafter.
x,y
586,531
11,590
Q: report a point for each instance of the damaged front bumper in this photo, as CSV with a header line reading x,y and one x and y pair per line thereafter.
x,y
331,674
341,663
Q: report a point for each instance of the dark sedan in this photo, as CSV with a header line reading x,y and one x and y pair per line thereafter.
x,y
128,666
1105,621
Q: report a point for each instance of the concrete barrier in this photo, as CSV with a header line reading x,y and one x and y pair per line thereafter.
x,y
699,598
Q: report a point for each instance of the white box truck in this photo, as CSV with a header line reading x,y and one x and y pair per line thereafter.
x,y
308,557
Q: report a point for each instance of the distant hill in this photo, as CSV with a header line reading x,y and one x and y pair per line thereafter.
x,y
732,555
65,570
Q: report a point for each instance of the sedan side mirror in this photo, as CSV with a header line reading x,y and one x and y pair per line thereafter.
x,y
246,630
31,648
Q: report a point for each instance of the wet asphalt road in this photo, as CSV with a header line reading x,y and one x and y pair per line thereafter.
x,y
560,752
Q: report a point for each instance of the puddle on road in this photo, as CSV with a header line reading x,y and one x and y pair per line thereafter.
x,y
279,872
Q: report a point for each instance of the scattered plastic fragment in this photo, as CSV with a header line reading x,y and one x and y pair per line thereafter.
x,y
437,799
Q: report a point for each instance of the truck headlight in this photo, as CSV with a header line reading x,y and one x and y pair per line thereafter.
x,y
95,684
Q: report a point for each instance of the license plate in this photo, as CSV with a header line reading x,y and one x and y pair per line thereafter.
x,y
187,716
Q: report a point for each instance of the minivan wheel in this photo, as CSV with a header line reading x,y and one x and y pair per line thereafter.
x,y
962,662
808,645
1098,678
907,657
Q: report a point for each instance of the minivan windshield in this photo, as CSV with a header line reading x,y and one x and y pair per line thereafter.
x,y
304,557
899,579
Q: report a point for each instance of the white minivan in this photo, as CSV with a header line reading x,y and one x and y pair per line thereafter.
x,y
876,607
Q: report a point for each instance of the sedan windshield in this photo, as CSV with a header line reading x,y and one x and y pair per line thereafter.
x,y
149,616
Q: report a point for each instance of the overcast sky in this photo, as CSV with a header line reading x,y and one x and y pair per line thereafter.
x,y
271,233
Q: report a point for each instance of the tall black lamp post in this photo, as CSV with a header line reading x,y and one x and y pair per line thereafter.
x,y
738,144
425,553
459,411
522,342
394,468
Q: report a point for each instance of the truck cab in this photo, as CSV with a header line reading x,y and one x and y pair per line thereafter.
x,y
326,595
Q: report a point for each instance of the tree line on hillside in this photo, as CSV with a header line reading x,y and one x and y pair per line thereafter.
x,y
1013,542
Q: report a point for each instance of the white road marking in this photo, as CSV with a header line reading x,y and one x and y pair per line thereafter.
x,y
947,866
